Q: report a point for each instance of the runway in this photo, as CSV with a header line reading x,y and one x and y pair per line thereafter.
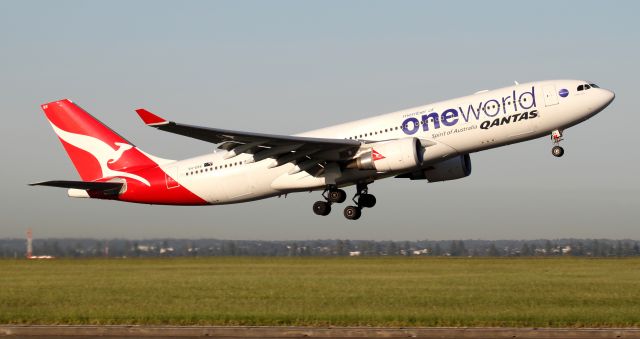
x,y
120,331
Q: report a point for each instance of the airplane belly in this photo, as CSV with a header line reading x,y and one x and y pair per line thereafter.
x,y
250,184
238,185
298,181
208,188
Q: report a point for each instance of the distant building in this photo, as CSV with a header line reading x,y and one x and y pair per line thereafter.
x,y
424,251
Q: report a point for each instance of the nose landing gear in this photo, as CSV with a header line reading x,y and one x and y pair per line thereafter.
x,y
556,137
557,151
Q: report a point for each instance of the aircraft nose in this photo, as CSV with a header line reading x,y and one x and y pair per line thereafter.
x,y
608,96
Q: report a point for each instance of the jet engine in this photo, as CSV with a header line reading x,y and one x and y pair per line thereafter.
x,y
450,169
389,156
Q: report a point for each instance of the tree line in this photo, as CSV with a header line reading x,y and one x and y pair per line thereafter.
x,y
65,247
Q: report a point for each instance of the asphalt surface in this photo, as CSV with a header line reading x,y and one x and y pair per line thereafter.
x,y
117,331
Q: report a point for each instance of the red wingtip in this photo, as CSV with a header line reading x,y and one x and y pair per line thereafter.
x,y
150,118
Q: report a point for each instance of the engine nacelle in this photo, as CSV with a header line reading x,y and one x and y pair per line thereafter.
x,y
389,156
451,169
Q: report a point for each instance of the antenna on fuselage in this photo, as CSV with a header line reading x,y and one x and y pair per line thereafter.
x,y
516,82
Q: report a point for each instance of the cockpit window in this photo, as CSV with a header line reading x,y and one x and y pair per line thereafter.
x,y
585,87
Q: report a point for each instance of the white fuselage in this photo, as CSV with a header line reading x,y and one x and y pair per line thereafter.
x,y
453,127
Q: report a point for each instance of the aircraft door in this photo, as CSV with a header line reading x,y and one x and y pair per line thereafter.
x,y
170,176
550,95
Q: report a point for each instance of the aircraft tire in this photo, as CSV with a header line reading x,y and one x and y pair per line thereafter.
x,y
322,208
352,212
337,196
557,151
367,200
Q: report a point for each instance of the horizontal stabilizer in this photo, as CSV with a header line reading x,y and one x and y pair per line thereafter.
x,y
82,185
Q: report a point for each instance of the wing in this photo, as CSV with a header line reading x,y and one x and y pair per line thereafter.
x,y
280,147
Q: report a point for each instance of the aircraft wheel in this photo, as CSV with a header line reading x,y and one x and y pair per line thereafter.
x,y
352,212
367,200
557,151
337,196
321,208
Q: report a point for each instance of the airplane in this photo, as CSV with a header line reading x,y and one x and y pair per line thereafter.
x,y
430,142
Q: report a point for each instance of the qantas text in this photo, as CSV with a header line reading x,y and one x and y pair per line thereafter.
x,y
491,108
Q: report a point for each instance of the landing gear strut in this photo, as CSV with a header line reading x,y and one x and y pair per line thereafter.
x,y
361,199
557,150
332,194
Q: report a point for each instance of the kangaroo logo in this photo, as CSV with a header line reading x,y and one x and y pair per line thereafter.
x,y
103,153
376,155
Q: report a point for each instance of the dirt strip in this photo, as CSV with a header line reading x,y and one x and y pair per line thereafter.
x,y
309,332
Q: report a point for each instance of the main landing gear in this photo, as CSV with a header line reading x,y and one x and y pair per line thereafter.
x,y
361,199
331,194
557,150
334,195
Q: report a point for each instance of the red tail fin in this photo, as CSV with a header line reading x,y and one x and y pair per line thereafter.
x,y
95,150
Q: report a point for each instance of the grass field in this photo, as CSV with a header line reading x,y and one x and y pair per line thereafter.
x,y
562,292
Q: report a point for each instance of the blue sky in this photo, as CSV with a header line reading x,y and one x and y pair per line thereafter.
x,y
290,66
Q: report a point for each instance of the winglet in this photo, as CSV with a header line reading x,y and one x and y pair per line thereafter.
x,y
150,119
